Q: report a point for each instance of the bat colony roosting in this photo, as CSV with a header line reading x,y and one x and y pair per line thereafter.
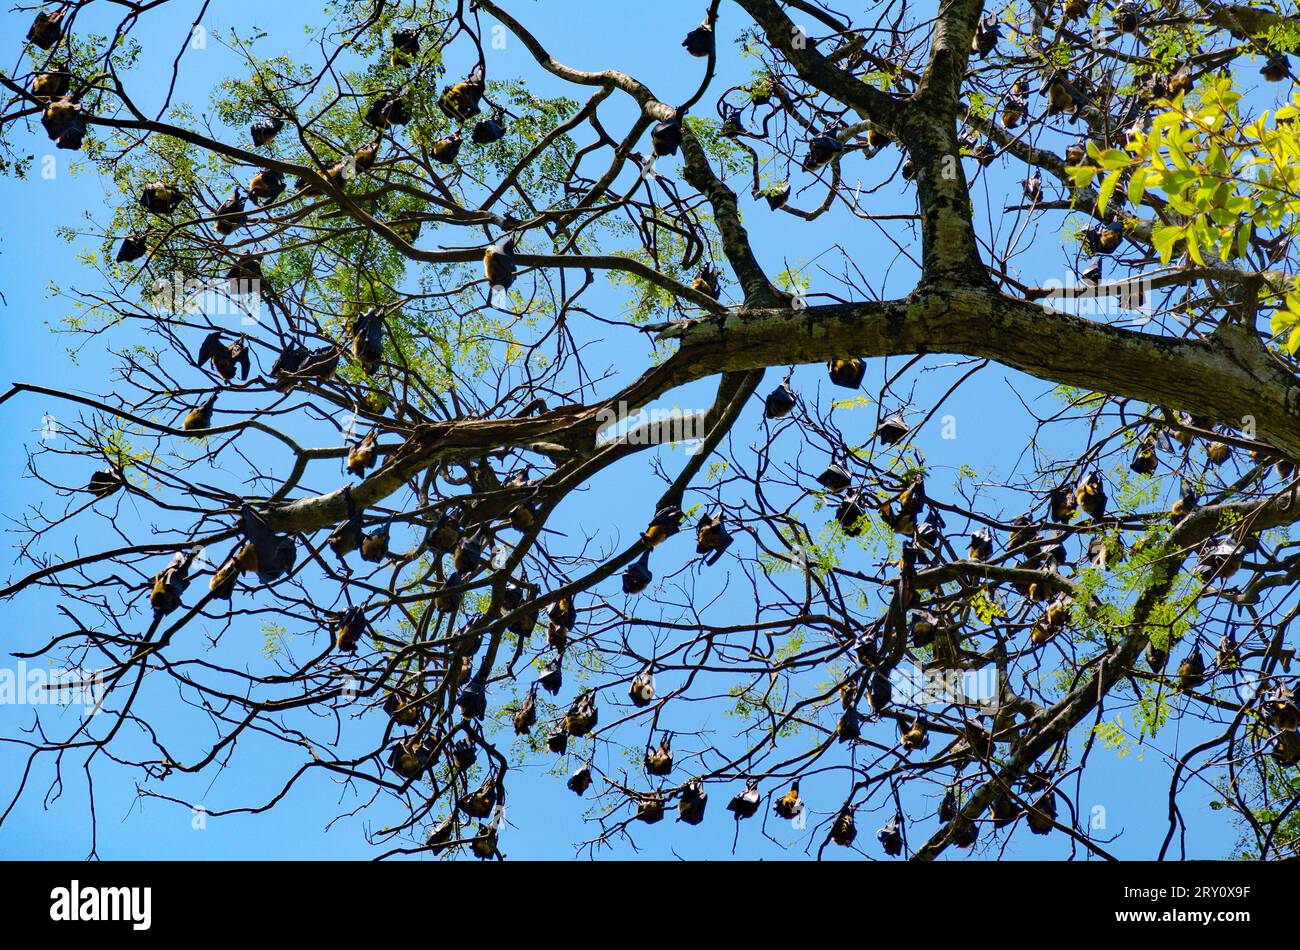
x,y
437,559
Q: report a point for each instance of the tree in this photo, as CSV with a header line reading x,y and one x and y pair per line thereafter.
x,y
334,423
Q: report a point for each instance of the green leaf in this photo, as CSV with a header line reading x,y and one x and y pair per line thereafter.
x,y
1137,186
1163,238
1280,321
1107,189
1081,175
1113,159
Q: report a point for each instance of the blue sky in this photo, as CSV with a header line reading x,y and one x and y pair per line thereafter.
x,y
545,819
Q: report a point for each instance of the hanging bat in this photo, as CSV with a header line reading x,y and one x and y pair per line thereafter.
x,y
779,402
706,282
46,30
245,272
461,101
891,836
272,555
1060,97
1280,709
446,149
1091,496
367,335
364,158
479,804
1276,68
1183,505
525,716
484,845
407,758
441,836
987,34
981,545
821,150
847,373
561,613
789,805
348,536
52,84
712,538
1041,816
444,534
1191,672
638,575
879,691
745,803
580,780
690,806
699,42
916,735
892,430
642,690
266,186
388,110
469,555
659,761
447,598
582,716
170,583
849,727
552,676
851,514
265,129
1286,749
487,131
106,481
666,136
843,829
401,709
835,478
297,364
463,755
650,809
160,198
1144,459
225,359
230,215
1014,110
406,45
929,535
64,121
131,249
472,700
923,628
374,547
558,740
200,417
361,456
523,516
778,196
499,263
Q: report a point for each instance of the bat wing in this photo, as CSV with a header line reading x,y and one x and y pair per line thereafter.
x,y
259,534
208,348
